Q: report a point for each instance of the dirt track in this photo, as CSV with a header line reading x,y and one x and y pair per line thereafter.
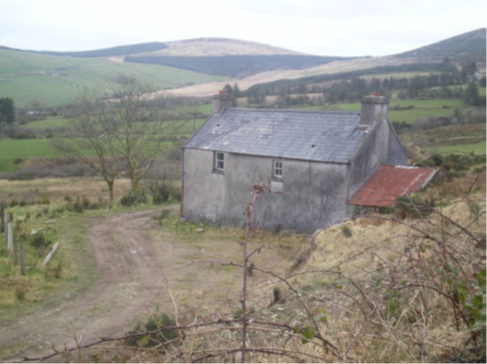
x,y
129,279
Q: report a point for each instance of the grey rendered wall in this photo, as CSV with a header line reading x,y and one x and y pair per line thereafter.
x,y
314,194
381,146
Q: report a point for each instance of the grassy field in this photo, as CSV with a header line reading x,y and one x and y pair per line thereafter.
x,y
463,137
71,269
51,122
55,80
12,150
422,108
24,149
475,148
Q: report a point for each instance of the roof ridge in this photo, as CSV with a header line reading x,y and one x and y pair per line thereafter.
x,y
296,111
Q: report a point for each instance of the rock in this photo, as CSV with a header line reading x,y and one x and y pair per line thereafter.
x,y
200,230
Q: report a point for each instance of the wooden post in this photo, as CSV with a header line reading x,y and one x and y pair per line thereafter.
x,y
51,253
22,258
10,236
16,260
2,218
7,220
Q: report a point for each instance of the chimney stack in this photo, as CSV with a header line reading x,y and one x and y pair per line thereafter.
x,y
373,106
221,101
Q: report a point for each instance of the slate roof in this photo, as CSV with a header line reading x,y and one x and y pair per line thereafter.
x,y
387,183
321,136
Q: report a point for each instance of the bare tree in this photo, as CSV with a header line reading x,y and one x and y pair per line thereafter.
x,y
120,122
87,138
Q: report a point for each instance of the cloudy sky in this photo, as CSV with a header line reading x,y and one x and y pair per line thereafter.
x,y
323,27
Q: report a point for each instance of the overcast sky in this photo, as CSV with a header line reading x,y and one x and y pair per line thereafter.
x,y
322,27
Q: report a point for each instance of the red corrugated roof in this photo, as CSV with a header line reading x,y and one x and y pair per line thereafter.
x,y
387,183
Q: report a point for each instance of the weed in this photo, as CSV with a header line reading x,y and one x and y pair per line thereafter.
x,y
237,313
20,293
39,241
78,207
474,208
85,203
346,231
131,199
153,322
250,269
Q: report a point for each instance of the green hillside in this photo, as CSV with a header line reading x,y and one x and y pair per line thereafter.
x,y
237,65
464,47
55,80
113,51
13,62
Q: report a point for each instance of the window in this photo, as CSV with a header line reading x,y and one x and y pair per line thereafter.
x,y
277,169
219,161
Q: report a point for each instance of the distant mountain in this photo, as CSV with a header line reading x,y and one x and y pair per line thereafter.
x,y
207,47
464,47
110,52
228,57
212,56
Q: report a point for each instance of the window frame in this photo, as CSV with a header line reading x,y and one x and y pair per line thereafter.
x,y
217,161
275,168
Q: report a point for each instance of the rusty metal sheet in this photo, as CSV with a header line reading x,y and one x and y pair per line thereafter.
x,y
388,183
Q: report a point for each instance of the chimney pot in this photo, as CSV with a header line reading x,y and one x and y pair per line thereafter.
x,y
222,101
373,106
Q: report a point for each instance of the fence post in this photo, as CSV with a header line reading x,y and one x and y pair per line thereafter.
x,y
22,258
2,218
15,246
10,237
7,220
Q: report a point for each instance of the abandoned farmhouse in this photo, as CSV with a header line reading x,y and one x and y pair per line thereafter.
x,y
318,160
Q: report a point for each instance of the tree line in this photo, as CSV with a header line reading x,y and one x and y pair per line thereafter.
x,y
448,83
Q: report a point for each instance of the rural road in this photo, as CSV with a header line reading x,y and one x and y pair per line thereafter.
x,y
129,279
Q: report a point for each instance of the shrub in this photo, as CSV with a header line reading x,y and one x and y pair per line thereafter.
x,y
78,207
176,193
39,241
85,203
20,293
346,231
415,206
131,199
161,192
45,201
153,322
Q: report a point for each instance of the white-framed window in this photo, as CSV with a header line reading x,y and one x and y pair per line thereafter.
x,y
219,164
277,169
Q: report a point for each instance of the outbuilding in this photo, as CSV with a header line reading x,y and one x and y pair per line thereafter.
x,y
317,160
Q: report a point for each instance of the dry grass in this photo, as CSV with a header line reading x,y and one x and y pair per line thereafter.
x,y
211,88
58,188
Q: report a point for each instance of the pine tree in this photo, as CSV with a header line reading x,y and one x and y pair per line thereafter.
x,y
7,110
